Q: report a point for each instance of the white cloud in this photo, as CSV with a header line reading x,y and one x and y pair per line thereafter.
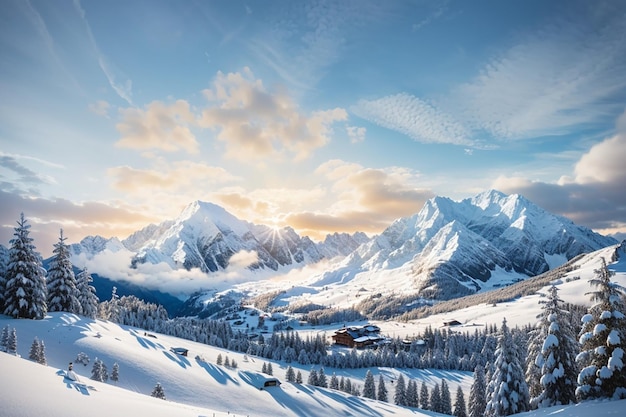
x,y
594,196
550,82
356,134
159,126
415,118
254,123
101,108
566,74
120,83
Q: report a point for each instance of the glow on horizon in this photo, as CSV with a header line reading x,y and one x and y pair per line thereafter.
x,y
326,116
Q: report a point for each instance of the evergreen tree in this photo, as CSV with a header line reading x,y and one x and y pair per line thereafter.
x,y
98,371
446,400
424,397
3,271
556,358
382,390
533,370
298,377
87,297
348,386
369,388
435,400
115,373
312,378
62,292
35,351
334,382
25,288
270,370
290,375
158,391
227,362
478,396
321,379
412,397
399,396
42,350
602,340
220,361
459,404
12,342
4,339
507,392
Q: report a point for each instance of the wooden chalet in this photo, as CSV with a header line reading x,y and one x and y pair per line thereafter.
x,y
358,337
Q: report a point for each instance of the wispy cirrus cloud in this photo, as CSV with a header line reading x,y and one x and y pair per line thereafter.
x,y
119,82
564,76
305,39
415,118
555,79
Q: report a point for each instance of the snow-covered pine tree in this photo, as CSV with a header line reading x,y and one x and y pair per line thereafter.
x,y
369,387
290,375
220,361
477,398
35,353
322,381
83,358
446,399
459,404
25,289
381,395
557,356
158,391
4,257
12,342
115,372
4,338
97,371
507,392
602,340
399,397
312,380
298,377
42,349
62,292
412,397
227,362
347,386
334,382
533,371
87,297
270,370
424,397
434,403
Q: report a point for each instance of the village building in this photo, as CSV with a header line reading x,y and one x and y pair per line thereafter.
x,y
359,337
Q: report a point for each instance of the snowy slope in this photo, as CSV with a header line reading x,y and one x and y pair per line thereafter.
x,y
202,388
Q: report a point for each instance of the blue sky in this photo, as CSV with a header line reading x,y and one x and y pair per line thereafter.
x,y
323,115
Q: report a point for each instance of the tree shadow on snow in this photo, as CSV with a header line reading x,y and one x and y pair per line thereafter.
x,y
71,384
147,343
180,360
218,374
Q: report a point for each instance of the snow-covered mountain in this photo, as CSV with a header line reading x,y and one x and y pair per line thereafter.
x,y
446,250
449,249
206,236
